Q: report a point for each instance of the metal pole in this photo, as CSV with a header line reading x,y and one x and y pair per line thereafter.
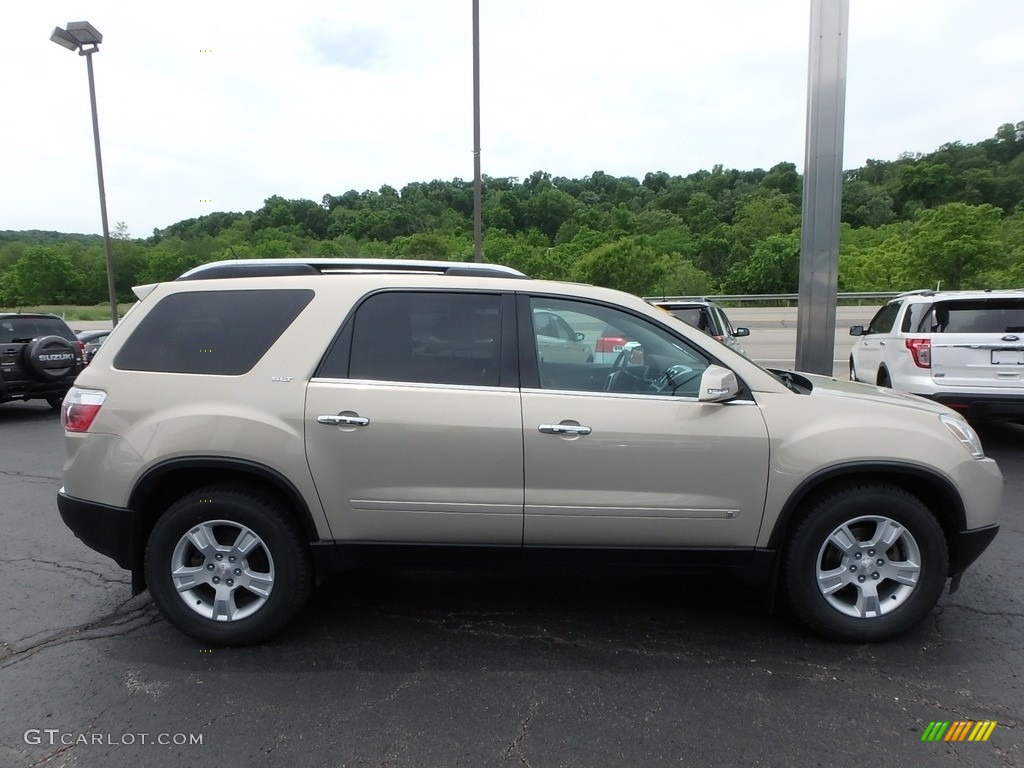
x,y
103,194
823,186
477,193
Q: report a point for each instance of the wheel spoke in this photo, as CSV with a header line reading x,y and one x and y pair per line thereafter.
x,y
245,542
843,539
905,572
186,577
868,603
202,538
887,534
224,608
834,580
257,583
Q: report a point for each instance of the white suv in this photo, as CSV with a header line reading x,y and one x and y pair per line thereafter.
x,y
964,349
255,425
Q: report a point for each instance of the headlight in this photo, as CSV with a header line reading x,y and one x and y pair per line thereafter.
x,y
963,432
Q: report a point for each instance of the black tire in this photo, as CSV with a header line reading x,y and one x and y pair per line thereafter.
x,y
853,371
883,379
51,358
906,577
257,593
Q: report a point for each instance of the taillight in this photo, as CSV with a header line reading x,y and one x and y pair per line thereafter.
x,y
81,352
921,349
609,344
80,408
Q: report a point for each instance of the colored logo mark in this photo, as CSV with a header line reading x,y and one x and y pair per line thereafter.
x,y
959,730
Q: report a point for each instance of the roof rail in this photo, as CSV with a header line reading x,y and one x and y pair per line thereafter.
x,y
919,292
282,267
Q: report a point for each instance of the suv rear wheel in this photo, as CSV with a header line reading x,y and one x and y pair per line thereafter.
x,y
226,565
866,563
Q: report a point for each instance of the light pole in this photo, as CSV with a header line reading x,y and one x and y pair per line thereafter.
x,y
83,37
477,228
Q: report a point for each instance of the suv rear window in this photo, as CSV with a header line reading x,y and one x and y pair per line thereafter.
x,y
12,328
212,332
974,316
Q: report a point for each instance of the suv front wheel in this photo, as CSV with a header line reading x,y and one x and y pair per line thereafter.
x,y
866,563
227,566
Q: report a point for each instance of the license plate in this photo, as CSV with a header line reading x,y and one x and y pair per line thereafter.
x,y
1007,357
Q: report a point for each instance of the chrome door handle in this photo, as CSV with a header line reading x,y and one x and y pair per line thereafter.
x,y
343,421
564,429
881,343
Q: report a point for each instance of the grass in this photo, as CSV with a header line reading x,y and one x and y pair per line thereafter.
x,y
72,312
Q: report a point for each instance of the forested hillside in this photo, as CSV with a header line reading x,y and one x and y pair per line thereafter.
x,y
953,217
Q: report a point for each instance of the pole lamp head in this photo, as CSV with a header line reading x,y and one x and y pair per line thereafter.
x,y
61,37
77,35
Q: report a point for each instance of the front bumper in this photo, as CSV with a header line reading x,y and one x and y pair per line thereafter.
x,y
981,407
966,546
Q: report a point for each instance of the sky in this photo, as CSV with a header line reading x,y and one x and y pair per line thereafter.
x,y
217,105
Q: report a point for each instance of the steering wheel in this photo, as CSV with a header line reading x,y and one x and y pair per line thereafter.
x,y
618,370
672,379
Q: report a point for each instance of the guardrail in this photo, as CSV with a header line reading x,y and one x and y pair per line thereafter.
x,y
782,299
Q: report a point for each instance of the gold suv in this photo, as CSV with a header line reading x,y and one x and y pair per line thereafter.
x,y
255,424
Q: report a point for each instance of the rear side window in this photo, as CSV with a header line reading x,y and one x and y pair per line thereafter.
x,y
211,332
430,338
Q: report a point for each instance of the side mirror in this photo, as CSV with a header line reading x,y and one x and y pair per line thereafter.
x,y
741,332
857,330
717,384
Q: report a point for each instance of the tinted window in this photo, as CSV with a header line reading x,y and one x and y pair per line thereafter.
x,y
211,332
648,359
430,338
974,316
12,328
694,316
884,319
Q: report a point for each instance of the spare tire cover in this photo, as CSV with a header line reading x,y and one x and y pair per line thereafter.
x,y
51,357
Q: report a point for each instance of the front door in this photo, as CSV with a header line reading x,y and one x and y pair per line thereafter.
x,y
625,456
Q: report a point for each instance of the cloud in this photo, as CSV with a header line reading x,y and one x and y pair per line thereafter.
x,y
359,49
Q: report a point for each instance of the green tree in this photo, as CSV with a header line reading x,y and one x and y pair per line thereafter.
x,y
955,244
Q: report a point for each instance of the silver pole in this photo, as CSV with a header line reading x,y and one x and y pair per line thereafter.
x,y
823,186
477,194
103,194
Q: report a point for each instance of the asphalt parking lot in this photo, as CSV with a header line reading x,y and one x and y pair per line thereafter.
x,y
474,669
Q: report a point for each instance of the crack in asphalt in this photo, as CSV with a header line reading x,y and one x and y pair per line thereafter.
x,y
415,681
131,615
64,566
972,609
27,476
524,728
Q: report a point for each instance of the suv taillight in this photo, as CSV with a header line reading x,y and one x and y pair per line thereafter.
x,y
609,344
921,349
80,408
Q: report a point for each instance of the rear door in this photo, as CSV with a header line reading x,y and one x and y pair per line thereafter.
x,y
414,426
978,343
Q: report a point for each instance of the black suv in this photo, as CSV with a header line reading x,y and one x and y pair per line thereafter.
x,y
39,358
